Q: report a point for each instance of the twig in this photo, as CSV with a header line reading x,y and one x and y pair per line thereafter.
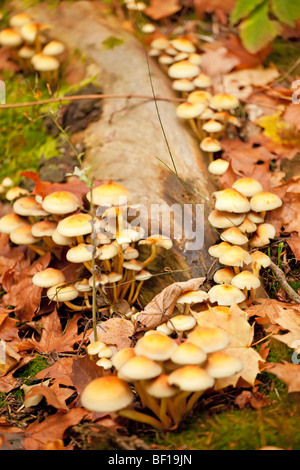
x,y
84,97
284,284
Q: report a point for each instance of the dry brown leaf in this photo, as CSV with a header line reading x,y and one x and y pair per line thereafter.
x,y
252,398
216,62
60,371
203,6
53,427
162,306
288,373
285,315
117,332
158,9
51,395
235,324
53,338
294,243
84,370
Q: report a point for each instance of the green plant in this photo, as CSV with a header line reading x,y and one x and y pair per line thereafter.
x,y
261,21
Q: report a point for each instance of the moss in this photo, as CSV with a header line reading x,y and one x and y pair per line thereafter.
x,y
285,54
29,371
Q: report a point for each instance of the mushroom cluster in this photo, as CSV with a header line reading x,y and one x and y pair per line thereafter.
x,y
209,114
105,246
239,212
32,47
169,376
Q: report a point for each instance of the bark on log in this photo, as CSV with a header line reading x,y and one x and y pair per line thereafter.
x,y
127,144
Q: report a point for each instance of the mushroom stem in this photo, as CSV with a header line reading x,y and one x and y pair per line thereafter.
x,y
107,265
195,128
151,257
192,400
73,306
88,266
131,291
179,406
186,309
164,418
142,418
38,250
236,269
127,285
138,289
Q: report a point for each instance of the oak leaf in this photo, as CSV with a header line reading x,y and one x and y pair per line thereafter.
x,y
116,331
288,373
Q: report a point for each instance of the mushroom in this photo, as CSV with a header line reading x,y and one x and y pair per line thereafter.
x,y
23,236
188,353
231,200
75,225
155,241
234,235
27,206
209,339
155,346
81,253
225,219
183,69
191,297
109,194
263,234
160,389
202,81
183,44
246,281
224,101
247,186
16,192
48,277
10,222
226,294
211,146
218,167
235,256
62,292
60,203
265,201
259,260
224,276
221,365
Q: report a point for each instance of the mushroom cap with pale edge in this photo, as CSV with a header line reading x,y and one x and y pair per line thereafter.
x,y
62,293
158,240
202,81
180,56
26,52
7,182
143,275
155,346
133,265
83,285
60,202
10,222
108,194
266,230
160,387
16,192
235,256
260,259
218,167
210,339
127,235
165,59
231,200
189,110
29,31
245,280
54,48
48,277
226,294
141,368
61,239
225,219
224,276
19,19
217,250
106,394
191,378
10,38
148,28
80,253
221,365
234,235
183,44
130,253
23,236
44,228
105,363
95,347
206,114
160,43
105,352
247,226
120,357
199,96
183,69
209,144
44,63
248,186
195,58
163,328
182,322
224,101
27,205
256,218
107,251
114,277
192,297
265,201
75,225
212,126
188,353
183,84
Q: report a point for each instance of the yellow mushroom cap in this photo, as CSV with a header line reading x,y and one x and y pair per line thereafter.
x,y
120,357
247,186
209,339
23,236
224,276
75,225
62,293
231,200
80,253
265,201
245,280
140,368
10,222
209,144
247,226
183,69
61,239
44,228
109,194
189,110
260,259
107,251
10,38
28,206
44,63
195,58
48,277
19,19
183,84
160,43
192,297
188,353
199,96
202,81
160,387
182,322
15,192
212,126
234,235
235,256
106,394
225,219
83,285
156,346
54,48
221,365
217,250
26,52
60,202
95,347
224,101
256,217
183,44
226,294
191,378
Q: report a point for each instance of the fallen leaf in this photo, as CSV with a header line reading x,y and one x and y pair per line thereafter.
x,y
117,332
286,219
216,62
255,399
288,373
60,371
294,243
158,9
162,306
51,395
84,370
235,324
203,6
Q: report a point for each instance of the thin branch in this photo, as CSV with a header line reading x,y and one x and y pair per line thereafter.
x,y
284,284
84,97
